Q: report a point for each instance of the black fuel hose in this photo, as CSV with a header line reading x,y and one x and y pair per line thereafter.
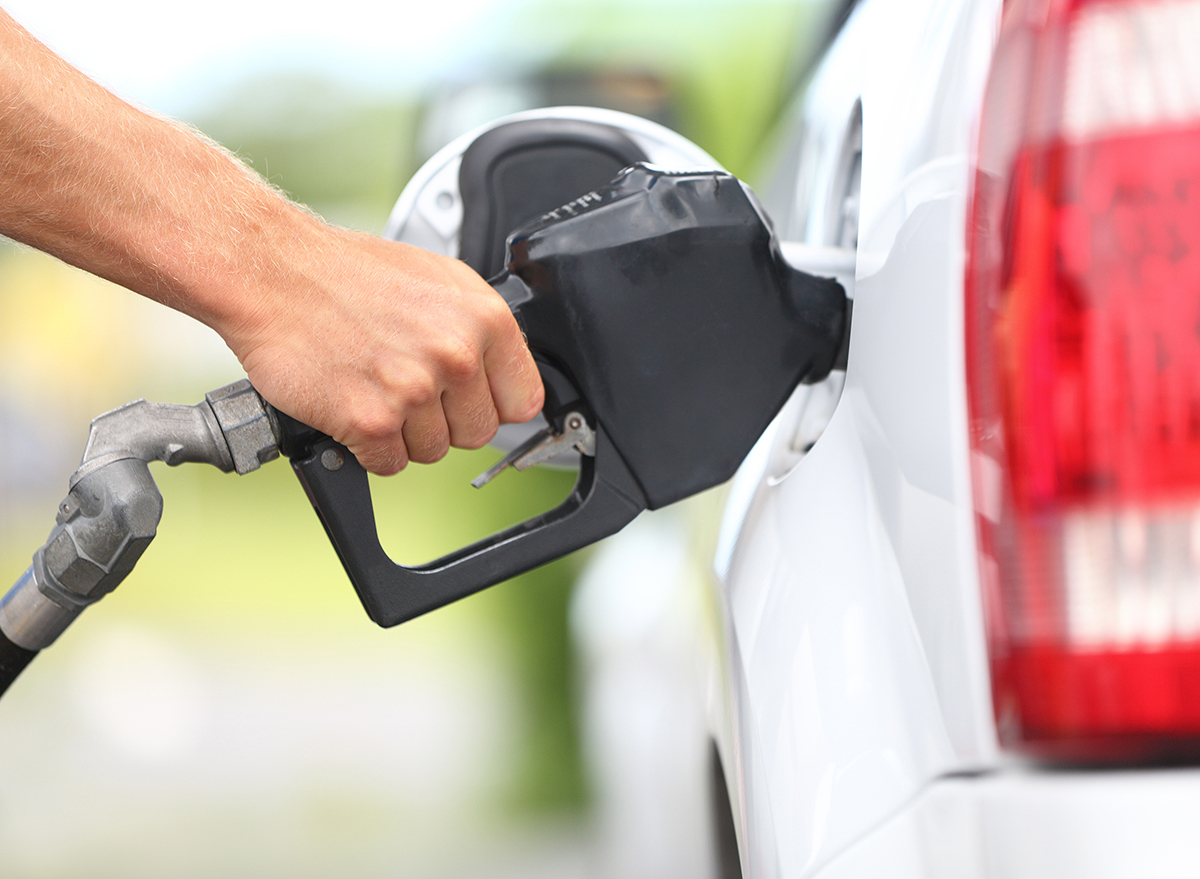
x,y
13,660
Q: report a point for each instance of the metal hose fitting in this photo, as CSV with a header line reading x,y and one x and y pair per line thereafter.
x,y
112,509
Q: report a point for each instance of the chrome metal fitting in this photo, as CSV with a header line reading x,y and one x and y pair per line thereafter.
x,y
244,422
112,509
30,618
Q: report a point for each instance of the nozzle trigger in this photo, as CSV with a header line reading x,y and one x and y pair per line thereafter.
x,y
544,445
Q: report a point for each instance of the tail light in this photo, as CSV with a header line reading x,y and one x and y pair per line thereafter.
x,y
1083,357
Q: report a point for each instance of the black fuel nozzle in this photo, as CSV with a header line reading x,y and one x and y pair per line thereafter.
x,y
666,301
661,312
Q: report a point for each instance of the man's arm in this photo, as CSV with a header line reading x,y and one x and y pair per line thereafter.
x,y
393,351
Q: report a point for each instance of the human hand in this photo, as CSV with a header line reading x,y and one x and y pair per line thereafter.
x,y
395,352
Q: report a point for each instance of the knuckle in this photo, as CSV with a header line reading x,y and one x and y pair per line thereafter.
x,y
435,454
526,406
498,313
475,443
473,421
429,449
419,390
387,466
479,440
534,402
505,328
461,362
478,436
372,424
384,460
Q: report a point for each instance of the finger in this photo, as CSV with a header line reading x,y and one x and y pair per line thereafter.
x,y
426,434
470,412
512,376
516,387
383,458
373,433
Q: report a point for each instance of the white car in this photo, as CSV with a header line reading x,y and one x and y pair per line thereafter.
x,y
950,626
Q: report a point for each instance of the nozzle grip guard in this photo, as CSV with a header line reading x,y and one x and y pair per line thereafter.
x,y
606,497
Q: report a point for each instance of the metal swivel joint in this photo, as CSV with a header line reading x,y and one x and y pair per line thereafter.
x,y
113,507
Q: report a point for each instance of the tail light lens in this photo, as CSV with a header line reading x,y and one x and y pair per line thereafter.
x,y
1083,356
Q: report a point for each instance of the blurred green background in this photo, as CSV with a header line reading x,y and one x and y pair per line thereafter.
x,y
230,710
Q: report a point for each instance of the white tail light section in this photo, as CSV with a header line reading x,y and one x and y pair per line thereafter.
x,y
1131,66
1083,357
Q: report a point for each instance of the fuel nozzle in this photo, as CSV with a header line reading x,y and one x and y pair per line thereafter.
x,y
668,330
665,299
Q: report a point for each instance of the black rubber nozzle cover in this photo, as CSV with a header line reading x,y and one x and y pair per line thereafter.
x,y
665,299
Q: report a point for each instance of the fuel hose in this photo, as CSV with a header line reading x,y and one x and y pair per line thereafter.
x,y
13,659
113,508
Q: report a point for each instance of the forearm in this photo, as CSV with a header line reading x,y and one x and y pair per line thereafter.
x,y
134,198
389,349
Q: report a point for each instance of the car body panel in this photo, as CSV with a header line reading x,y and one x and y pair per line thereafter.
x,y
1028,824
849,577
835,650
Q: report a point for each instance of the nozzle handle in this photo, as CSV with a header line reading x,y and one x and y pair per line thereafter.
x,y
606,497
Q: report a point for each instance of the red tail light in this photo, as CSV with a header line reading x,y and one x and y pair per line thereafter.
x,y
1083,355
